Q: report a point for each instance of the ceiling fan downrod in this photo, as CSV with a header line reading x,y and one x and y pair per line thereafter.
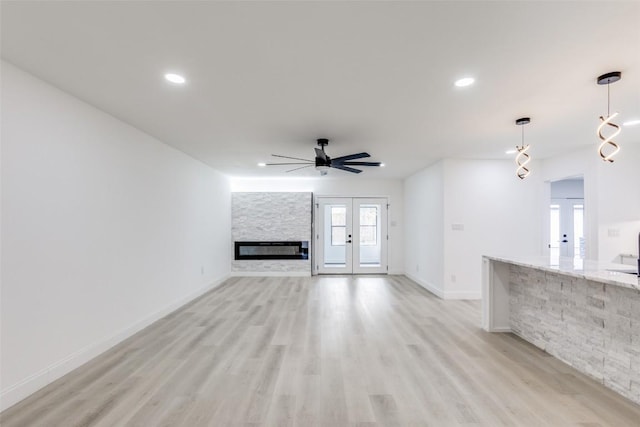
x,y
323,142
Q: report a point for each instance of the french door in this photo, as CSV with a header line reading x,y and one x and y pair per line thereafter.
x,y
566,230
351,235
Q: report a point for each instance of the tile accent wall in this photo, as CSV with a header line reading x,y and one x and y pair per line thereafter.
x,y
271,217
589,325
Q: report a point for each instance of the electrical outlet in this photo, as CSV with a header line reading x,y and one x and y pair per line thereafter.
x,y
202,270
417,267
613,232
453,278
457,227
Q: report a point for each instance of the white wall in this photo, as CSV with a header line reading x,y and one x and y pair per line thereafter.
x,y
459,210
104,229
568,189
619,202
424,222
359,186
499,213
612,197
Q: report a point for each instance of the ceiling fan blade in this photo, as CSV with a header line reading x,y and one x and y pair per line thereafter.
x,y
297,163
346,168
294,158
321,154
301,167
361,163
350,157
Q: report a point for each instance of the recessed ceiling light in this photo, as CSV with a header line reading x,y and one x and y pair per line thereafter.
x,y
382,165
464,82
262,164
510,152
632,122
175,78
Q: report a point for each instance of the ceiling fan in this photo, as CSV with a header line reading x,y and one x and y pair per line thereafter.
x,y
323,162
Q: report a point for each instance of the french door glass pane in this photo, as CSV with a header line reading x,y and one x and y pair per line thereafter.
x,y
370,248
338,235
338,215
368,235
338,225
335,248
368,225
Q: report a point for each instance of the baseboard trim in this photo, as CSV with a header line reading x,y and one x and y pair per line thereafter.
x,y
270,273
462,295
23,389
428,286
501,330
453,295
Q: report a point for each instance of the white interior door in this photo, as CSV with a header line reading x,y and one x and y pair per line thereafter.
x,y
351,235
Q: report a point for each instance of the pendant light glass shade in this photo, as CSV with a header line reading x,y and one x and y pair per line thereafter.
x,y
608,148
523,158
607,143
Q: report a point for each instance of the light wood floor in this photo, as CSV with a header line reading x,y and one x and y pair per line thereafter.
x,y
323,351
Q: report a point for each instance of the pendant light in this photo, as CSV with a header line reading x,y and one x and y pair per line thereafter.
x,y
522,158
607,142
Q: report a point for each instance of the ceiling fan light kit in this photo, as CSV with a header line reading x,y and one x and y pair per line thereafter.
x,y
607,143
323,162
522,158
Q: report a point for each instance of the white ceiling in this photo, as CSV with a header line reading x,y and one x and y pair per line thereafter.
x,y
271,77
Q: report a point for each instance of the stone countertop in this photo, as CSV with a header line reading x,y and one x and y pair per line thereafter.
x,y
577,267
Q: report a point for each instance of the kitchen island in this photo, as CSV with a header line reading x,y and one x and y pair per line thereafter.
x,y
585,313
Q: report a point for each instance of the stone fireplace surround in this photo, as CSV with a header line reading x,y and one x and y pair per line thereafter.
x,y
278,216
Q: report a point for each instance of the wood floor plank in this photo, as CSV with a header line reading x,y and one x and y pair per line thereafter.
x,y
323,351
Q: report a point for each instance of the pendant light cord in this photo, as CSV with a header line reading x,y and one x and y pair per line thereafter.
x,y
608,98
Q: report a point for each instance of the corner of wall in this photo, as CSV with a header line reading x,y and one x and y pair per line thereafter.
x,y
428,286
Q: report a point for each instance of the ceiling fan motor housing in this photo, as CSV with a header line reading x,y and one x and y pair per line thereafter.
x,y
322,162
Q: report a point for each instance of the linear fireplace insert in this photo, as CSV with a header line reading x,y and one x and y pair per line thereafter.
x,y
272,250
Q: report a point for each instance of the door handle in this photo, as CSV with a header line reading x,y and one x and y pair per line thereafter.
x,y
348,241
